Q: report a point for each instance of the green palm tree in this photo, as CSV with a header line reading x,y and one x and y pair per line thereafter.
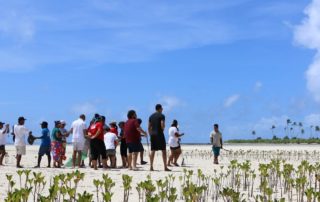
x,y
287,128
253,132
317,129
272,129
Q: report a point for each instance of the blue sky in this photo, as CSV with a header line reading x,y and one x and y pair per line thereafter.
x,y
244,64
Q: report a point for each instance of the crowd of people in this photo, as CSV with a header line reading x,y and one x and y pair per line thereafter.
x,y
99,141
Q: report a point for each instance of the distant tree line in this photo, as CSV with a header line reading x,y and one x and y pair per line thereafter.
x,y
293,133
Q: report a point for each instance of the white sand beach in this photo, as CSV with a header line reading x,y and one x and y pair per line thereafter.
x,y
195,157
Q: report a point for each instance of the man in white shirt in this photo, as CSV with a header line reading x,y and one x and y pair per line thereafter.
x,y
110,140
3,133
20,132
216,141
78,130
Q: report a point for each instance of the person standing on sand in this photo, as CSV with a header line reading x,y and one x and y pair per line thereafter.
x,y
111,140
142,162
56,145
3,136
64,134
174,143
132,132
20,132
45,146
123,146
216,141
78,130
97,146
158,141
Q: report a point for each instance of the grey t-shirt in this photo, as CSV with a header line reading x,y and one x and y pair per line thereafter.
x,y
216,138
155,122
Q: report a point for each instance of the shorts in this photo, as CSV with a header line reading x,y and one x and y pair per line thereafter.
x,y
216,151
158,142
78,146
2,148
124,149
141,147
44,150
21,150
97,148
110,152
175,148
133,147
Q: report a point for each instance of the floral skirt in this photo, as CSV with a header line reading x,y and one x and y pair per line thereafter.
x,y
57,150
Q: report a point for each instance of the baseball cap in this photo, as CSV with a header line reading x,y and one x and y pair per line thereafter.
x,y
1,123
63,122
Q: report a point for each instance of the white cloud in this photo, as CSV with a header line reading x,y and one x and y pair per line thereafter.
x,y
170,102
230,101
84,108
308,35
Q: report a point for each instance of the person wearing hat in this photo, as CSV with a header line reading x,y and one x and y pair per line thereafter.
x,y
3,133
56,145
20,132
216,141
45,146
79,131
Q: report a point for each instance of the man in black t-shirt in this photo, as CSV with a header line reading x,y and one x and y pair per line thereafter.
x,y
158,141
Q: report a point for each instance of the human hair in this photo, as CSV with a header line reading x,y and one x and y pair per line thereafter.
x,y
139,121
174,123
158,107
216,125
131,114
83,117
121,124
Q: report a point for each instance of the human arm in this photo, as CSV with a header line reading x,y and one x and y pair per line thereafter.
x,y
149,127
6,129
163,125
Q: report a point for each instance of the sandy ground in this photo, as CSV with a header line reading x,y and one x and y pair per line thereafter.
x,y
195,156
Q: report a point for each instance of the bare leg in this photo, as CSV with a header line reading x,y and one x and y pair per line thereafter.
x,y
74,157
39,161
113,161
164,158
3,153
94,164
18,160
49,159
152,159
124,161
130,161
170,158
104,163
79,158
135,157
176,156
